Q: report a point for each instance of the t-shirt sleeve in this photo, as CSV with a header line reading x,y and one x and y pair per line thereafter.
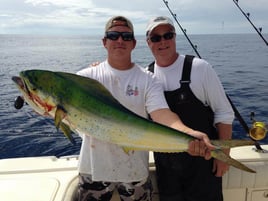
x,y
155,98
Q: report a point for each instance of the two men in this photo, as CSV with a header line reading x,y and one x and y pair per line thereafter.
x,y
104,167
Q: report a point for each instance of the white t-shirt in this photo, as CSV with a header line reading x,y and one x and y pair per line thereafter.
x,y
205,85
140,92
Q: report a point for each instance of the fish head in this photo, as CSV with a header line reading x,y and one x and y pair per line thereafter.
x,y
36,88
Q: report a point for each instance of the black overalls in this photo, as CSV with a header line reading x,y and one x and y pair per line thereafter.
x,y
182,177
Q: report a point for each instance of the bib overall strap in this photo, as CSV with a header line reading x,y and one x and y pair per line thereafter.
x,y
186,73
151,67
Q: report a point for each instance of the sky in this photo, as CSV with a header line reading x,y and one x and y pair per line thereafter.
x,y
88,17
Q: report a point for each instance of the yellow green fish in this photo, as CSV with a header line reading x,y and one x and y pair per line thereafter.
x,y
83,105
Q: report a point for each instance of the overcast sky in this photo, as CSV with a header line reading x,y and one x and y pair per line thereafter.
x,y
89,16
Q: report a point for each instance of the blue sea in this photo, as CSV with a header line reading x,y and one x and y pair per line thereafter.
x,y
240,60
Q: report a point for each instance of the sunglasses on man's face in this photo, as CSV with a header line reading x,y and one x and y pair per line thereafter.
x,y
157,38
114,35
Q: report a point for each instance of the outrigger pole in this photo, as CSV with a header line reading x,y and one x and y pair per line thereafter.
x,y
183,30
247,17
237,114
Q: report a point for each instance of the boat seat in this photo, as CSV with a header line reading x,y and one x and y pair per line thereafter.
x,y
70,194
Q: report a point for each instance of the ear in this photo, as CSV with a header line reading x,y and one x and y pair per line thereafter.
x,y
148,41
104,40
134,43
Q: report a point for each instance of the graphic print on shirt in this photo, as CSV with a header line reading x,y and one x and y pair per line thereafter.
x,y
131,91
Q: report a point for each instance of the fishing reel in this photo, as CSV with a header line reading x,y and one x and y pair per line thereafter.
x,y
257,132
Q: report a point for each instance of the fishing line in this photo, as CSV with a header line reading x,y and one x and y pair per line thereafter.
x,y
247,17
237,114
183,30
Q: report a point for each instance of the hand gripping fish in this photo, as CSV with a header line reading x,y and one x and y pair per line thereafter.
x,y
83,105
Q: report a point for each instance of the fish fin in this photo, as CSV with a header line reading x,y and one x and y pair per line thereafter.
x,y
220,155
226,144
59,116
127,150
67,132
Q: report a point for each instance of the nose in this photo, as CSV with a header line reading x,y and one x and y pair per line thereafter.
x,y
120,39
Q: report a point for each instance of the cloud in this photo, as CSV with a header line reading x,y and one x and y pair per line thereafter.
x,y
89,16
45,15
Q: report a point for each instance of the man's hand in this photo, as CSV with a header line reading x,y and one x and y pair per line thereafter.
x,y
94,64
199,148
219,167
204,138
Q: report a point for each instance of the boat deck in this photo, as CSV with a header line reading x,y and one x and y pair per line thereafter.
x,y
55,179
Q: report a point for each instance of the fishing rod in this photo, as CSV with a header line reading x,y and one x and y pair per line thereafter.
x,y
183,30
237,114
247,17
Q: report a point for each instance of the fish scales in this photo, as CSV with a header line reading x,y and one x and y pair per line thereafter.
x,y
83,105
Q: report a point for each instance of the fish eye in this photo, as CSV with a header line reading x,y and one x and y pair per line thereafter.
x,y
34,89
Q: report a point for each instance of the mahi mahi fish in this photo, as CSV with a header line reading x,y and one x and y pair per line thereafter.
x,y
83,105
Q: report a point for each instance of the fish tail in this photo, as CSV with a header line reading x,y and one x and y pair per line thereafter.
x,y
226,144
220,155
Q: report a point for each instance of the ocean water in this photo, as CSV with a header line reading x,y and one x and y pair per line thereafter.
x,y
240,60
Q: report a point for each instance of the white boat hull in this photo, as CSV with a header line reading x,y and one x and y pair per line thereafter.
x,y
55,179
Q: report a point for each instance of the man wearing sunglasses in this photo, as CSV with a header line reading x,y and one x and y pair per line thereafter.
x,y
194,92
104,167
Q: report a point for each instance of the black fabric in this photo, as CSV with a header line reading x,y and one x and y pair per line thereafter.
x,y
182,177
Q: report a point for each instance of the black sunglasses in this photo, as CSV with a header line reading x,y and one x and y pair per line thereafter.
x,y
114,35
157,38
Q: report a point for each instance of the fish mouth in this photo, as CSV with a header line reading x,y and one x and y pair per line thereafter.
x,y
18,81
21,84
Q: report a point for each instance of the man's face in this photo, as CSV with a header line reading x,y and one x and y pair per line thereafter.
x,y
162,40
118,41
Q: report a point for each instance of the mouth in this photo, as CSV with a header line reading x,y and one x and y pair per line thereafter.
x,y
18,81
19,101
21,84
41,107
163,48
120,47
